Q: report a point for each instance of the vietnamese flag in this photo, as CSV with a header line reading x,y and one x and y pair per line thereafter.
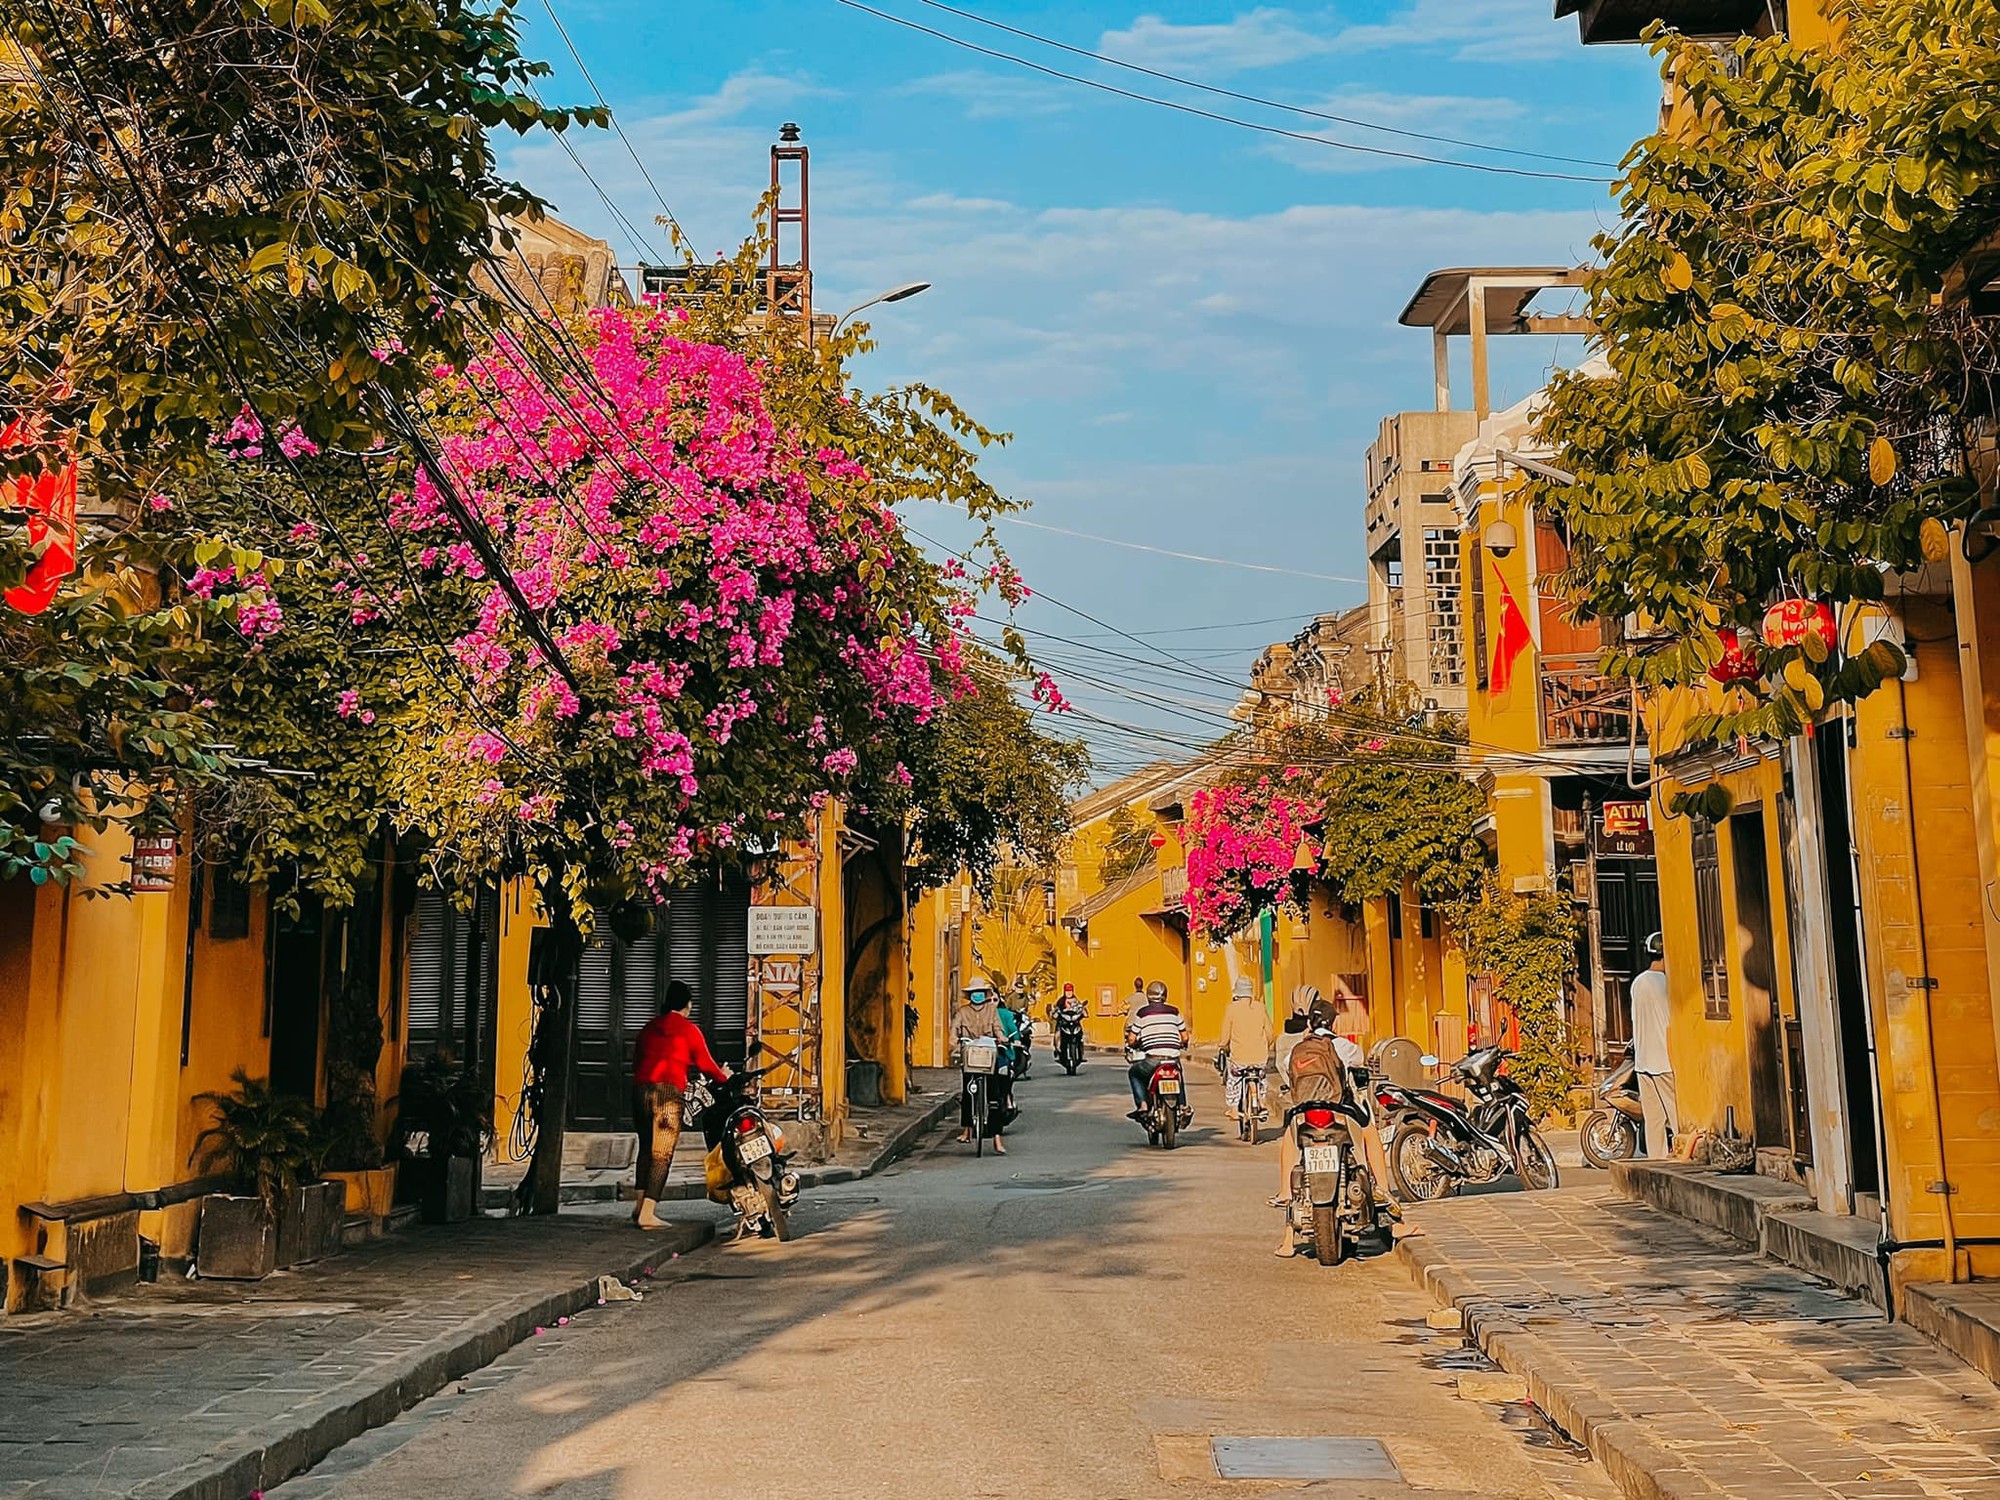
x,y
1513,639
50,500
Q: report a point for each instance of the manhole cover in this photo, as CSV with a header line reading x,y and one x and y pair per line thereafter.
x,y
1302,1458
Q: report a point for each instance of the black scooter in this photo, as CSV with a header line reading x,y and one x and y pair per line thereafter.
x,y
762,1186
1069,1042
1437,1144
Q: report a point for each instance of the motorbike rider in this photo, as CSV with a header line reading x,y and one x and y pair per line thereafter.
x,y
1020,1025
1067,1007
664,1054
1246,1040
1318,1068
978,1016
1154,1033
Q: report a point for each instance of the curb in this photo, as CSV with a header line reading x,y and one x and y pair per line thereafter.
x,y
277,1451
576,1194
1641,1467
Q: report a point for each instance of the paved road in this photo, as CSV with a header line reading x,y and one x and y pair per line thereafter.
x,y
1079,1318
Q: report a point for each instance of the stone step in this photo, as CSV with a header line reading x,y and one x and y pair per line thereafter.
x,y
1775,1216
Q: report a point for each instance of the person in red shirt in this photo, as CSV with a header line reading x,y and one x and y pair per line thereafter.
x,y
663,1055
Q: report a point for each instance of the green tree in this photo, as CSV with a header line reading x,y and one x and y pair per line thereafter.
x,y
1010,937
1794,369
989,785
1128,847
1528,944
280,204
1398,808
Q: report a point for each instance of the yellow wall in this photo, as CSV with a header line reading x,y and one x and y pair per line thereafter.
x,y
1712,1058
94,1099
1922,913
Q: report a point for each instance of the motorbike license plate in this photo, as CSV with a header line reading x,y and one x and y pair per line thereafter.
x,y
754,1149
1322,1159
1170,1085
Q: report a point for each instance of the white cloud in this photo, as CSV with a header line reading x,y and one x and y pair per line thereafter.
x,y
1256,39
1468,30
1202,380
992,95
1464,30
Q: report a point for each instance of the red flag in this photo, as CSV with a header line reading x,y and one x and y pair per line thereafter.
x,y
50,500
1513,639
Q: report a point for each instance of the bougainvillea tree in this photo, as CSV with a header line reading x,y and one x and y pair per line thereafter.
x,y
729,624
1242,838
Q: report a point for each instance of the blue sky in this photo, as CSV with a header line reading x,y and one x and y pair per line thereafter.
x,y
1190,329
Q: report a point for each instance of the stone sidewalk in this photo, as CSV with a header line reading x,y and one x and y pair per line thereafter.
x,y
1691,1367
209,1390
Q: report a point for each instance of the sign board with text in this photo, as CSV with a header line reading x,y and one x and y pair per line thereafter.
x,y
783,929
153,859
1625,830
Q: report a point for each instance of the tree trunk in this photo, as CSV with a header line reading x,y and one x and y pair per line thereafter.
x,y
555,982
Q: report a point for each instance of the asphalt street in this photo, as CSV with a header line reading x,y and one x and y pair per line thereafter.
x,y
1084,1317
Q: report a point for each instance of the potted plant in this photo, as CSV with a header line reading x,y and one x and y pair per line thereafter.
x,y
265,1140
444,1115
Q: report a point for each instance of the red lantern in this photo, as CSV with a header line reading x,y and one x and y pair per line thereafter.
x,y
1790,621
1738,663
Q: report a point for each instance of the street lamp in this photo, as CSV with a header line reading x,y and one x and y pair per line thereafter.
x,y
895,294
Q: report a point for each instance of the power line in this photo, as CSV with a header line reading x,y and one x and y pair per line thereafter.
x,y
1227,562
1258,99
1222,119
631,150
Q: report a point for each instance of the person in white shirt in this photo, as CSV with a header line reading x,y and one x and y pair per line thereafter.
x,y
1650,1060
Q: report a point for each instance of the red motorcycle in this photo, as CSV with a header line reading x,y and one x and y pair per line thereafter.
x,y
1166,1110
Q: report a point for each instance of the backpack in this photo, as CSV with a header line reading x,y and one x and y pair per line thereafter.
x,y
1315,1058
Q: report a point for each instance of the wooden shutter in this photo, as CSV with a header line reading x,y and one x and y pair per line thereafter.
x,y
595,1011
430,974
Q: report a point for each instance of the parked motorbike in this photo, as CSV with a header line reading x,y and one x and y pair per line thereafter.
x,y
983,1075
1438,1144
1333,1194
756,1177
1167,1108
1616,1129
1069,1042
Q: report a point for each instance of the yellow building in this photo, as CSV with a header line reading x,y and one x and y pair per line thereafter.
x,y
117,1013
1831,941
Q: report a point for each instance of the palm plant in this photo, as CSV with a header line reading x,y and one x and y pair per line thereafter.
x,y
266,1138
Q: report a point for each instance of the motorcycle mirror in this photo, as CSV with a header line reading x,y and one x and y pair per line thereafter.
x,y
1429,1060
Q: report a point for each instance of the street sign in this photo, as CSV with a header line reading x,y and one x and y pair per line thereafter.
x,y
1625,830
153,859
782,929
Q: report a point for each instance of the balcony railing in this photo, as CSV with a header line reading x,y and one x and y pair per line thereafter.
x,y
1582,706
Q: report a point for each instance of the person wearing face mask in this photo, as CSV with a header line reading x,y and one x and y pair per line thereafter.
x,y
978,1016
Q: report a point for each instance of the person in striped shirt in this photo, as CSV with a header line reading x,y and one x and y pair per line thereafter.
x,y
1155,1032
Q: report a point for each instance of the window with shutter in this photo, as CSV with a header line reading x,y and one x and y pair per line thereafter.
x,y
430,974
594,998
639,1000
729,994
